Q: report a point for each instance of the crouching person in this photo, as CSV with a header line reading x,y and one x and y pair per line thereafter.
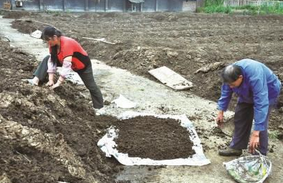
x,y
67,53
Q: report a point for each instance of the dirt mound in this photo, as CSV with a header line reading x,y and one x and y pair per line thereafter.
x,y
64,111
16,14
26,164
27,26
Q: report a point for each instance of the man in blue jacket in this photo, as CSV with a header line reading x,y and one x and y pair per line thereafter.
x,y
257,88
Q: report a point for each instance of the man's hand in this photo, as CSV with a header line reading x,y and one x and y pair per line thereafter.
x,y
254,142
220,119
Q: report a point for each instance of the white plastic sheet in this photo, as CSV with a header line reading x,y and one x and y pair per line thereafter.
x,y
123,102
108,146
171,78
36,34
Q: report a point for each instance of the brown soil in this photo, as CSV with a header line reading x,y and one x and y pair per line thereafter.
x,y
63,111
183,42
135,134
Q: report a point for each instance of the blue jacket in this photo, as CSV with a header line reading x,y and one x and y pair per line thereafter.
x,y
260,87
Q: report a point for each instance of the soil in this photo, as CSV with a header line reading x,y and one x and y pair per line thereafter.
x,y
64,113
135,134
49,136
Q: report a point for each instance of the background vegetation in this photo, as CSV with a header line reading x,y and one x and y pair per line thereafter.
x,y
266,7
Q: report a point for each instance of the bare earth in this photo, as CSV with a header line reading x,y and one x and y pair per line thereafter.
x,y
51,136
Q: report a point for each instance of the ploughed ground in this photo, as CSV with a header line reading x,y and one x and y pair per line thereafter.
x,y
49,136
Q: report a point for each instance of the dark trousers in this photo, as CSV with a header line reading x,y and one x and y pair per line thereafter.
x,y
86,76
41,70
243,120
96,96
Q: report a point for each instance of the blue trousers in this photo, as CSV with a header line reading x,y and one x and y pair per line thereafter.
x,y
243,121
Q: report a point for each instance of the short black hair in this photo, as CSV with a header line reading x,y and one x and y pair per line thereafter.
x,y
49,32
231,73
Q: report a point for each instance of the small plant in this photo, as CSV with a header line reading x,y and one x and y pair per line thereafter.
x,y
214,3
215,6
217,9
273,134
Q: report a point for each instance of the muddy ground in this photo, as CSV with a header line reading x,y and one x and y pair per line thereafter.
x,y
67,127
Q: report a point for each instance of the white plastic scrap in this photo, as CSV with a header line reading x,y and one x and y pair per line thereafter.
x,y
36,34
123,102
106,143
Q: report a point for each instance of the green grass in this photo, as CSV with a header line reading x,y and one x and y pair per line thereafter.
x,y
213,3
273,134
217,6
217,9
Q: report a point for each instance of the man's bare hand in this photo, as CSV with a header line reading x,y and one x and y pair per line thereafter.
x,y
220,119
254,142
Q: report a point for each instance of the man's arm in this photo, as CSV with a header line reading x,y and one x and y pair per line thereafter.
x,y
223,102
258,83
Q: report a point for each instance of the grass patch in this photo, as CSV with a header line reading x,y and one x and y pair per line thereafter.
x,y
217,9
273,134
217,6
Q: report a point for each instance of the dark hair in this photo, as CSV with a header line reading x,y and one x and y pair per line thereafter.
x,y
47,33
231,73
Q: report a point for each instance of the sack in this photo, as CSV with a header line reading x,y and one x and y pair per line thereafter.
x,y
254,168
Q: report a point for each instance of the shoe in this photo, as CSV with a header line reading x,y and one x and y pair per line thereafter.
x,y
230,152
30,81
99,112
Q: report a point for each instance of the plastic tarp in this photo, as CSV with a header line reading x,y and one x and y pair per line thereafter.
x,y
108,145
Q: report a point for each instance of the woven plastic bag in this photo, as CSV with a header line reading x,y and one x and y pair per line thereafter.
x,y
249,169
